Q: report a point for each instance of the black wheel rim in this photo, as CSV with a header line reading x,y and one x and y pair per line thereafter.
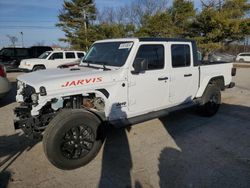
x,y
213,102
77,142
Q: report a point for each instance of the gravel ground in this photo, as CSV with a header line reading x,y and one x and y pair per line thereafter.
x,y
179,150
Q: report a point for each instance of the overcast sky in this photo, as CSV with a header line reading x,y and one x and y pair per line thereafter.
x,y
36,19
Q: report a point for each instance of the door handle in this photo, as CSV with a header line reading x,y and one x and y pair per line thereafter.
x,y
187,75
163,78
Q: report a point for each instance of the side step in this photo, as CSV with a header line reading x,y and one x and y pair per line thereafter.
x,y
151,115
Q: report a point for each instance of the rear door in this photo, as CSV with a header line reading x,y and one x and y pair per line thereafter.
x,y
148,90
183,75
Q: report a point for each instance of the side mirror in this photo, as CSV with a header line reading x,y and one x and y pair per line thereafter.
x,y
140,65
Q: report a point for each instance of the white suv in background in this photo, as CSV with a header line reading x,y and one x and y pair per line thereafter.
x,y
241,57
50,60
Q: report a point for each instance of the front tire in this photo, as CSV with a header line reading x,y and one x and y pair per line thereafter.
x,y
72,139
211,100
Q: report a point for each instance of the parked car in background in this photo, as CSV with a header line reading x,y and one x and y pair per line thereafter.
x,y
243,57
215,57
4,83
50,60
11,57
36,51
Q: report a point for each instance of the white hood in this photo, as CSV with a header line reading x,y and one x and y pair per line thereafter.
x,y
70,78
32,60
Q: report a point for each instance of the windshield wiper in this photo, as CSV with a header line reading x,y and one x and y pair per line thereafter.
x,y
88,62
103,64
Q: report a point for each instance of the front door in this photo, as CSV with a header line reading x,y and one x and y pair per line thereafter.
x,y
148,90
55,60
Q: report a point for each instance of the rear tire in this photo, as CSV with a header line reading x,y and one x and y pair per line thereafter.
x,y
73,138
36,68
212,101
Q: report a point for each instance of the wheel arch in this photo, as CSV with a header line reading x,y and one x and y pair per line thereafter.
x,y
217,80
39,65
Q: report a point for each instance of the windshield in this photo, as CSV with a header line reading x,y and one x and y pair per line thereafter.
x,y
108,53
44,55
7,52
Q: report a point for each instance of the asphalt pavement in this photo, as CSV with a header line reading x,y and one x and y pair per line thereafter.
x,y
182,149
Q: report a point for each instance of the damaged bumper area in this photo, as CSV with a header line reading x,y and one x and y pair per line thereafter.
x,y
32,126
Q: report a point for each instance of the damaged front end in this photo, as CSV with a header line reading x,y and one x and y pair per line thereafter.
x,y
32,126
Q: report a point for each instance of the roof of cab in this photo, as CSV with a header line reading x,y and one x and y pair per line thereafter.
x,y
147,39
165,39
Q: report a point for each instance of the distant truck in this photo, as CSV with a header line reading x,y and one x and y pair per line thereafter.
x,y
119,82
11,57
50,60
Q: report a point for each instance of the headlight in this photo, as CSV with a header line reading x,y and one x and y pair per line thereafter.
x,y
34,97
27,63
19,84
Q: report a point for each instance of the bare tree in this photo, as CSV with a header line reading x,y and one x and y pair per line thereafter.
x,y
13,40
212,3
133,13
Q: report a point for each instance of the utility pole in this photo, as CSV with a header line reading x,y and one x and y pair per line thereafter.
x,y
85,28
22,38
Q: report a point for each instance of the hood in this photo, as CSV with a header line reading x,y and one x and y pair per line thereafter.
x,y
69,78
32,60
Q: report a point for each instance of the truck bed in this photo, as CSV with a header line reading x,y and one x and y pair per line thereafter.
x,y
211,70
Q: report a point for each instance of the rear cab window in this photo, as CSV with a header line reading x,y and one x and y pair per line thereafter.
x,y
181,56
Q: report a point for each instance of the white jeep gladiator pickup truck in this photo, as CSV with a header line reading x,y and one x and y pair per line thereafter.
x,y
119,82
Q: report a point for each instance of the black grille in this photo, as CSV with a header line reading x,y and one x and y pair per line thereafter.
x,y
27,92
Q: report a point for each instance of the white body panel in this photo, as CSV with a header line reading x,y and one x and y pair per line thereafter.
x,y
183,80
142,87
214,70
138,93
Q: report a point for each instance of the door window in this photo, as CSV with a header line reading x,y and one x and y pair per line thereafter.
x,y
180,55
80,55
7,52
153,54
70,55
57,55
